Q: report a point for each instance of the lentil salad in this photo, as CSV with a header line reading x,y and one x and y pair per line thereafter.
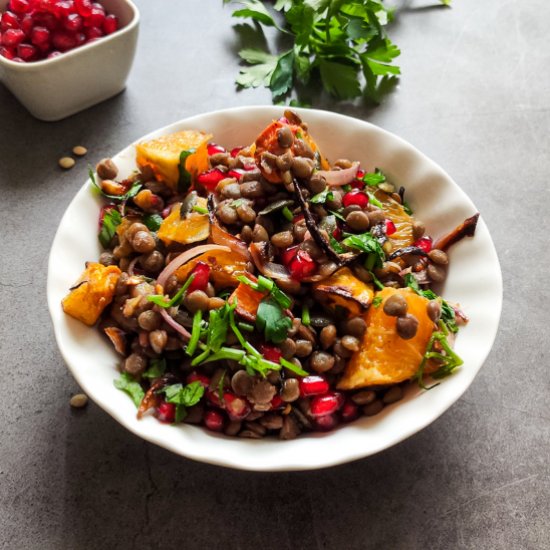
x,y
265,329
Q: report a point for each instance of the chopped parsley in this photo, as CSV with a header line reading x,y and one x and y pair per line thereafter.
x,y
127,383
111,220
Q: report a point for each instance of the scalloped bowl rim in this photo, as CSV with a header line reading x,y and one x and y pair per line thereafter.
x,y
479,289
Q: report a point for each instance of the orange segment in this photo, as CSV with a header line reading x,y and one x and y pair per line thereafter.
x,y
92,293
193,228
345,290
163,155
384,357
225,267
403,235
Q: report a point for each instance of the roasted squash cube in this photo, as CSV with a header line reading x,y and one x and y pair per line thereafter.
x,y
193,228
92,293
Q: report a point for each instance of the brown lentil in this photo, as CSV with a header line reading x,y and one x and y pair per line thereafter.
x,y
262,392
66,163
78,401
152,262
364,397
395,305
302,149
302,167
149,320
291,390
227,214
107,258
233,427
328,336
418,229
284,162
290,429
285,138
340,350
438,256
135,364
350,342
252,189
359,221
106,169
232,191
246,213
79,150
373,408
196,300
321,361
271,421
434,310
288,348
158,339
436,273
241,383
407,326
376,217
303,348
317,184
356,326
392,395
143,242
284,239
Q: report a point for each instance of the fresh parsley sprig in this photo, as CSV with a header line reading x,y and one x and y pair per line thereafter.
x,y
344,43
176,300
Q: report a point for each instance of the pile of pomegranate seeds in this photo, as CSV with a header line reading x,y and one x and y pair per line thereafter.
x,y
31,30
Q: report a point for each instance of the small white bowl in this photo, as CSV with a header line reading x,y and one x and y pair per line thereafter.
x,y
474,280
56,88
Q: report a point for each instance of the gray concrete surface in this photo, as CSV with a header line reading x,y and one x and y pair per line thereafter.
x,y
475,96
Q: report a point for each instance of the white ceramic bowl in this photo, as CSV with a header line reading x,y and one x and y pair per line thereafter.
x,y
474,280
56,88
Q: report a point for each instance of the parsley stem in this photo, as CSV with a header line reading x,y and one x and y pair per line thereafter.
x,y
200,358
247,327
195,333
199,209
246,345
292,367
306,320
227,353
376,281
288,214
177,298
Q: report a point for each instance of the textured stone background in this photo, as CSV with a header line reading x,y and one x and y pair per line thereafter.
x,y
475,96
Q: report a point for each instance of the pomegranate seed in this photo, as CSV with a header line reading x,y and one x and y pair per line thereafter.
x,y
277,403
271,353
236,173
202,274
73,22
211,178
27,24
19,6
390,227
47,20
355,197
349,411
237,407
65,8
297,218
235,151
313,385
63,40
202,378
40,35
83,7
96,18
425,243
94,32
326,423
12,37
110,24
7,53
326,404
9,21
80,39
337,233
360,174
214,420
214,398
214,148
166,412
26,51
302,266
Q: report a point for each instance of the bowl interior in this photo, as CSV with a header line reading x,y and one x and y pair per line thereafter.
x,y
474,281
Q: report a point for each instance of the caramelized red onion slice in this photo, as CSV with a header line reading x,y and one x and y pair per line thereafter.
x,y
132,265
278,272
184,257
182,331
225,239
337,178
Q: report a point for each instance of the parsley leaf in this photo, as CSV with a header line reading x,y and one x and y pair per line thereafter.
x,y
271,320
322,197
111,220
262,66
375,178
377,301
184,182
128,384
366,243
152,222
187,396
256,10
156,370
281,78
